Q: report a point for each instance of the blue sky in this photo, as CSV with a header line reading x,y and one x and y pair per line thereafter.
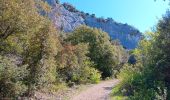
x,y
142,14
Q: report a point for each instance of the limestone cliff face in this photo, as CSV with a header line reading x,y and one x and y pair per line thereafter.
x,y
67,18
64,19
126,34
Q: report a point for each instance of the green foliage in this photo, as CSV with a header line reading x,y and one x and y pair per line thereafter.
x,y
25,32
127,75
75,66
150,80
161,52
11,78
18,21
87,75
138,85
101,50
40,56
28,37
57,87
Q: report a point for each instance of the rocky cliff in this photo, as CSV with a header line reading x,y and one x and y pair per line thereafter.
x,y
67,18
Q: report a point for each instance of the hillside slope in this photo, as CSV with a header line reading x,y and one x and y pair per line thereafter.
x,y
66,18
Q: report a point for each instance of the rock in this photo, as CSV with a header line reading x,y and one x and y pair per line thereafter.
x,y
67,18
126,34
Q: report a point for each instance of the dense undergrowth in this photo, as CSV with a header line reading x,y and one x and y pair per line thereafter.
x,y
148,77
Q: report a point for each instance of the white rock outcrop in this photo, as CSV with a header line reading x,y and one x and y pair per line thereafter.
x,y
67,18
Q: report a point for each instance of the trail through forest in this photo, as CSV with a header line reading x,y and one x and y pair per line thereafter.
x,y
99,91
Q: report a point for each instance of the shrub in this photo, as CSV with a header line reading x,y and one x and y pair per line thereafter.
x,y
95,75
87,75
11,78
127,76
137,85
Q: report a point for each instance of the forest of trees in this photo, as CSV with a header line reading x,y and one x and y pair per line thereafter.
x,y
35,56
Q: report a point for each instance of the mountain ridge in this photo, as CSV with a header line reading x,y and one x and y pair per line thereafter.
x,y
67,18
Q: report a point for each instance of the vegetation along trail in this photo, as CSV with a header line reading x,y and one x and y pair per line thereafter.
x,y
97,92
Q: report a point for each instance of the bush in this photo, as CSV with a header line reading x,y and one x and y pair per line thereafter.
x,y
127,76
153,81
137,85
11,78
95,75
87,75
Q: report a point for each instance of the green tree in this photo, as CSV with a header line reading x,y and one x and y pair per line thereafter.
x,y
11,78
151,79
40,56
75,66
162,48
26,33
101,51
18,20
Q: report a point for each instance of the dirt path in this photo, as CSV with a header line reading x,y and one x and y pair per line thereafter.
x,y
100,91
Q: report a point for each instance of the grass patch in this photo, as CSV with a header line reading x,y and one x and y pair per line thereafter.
x,y
117,94
58,87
